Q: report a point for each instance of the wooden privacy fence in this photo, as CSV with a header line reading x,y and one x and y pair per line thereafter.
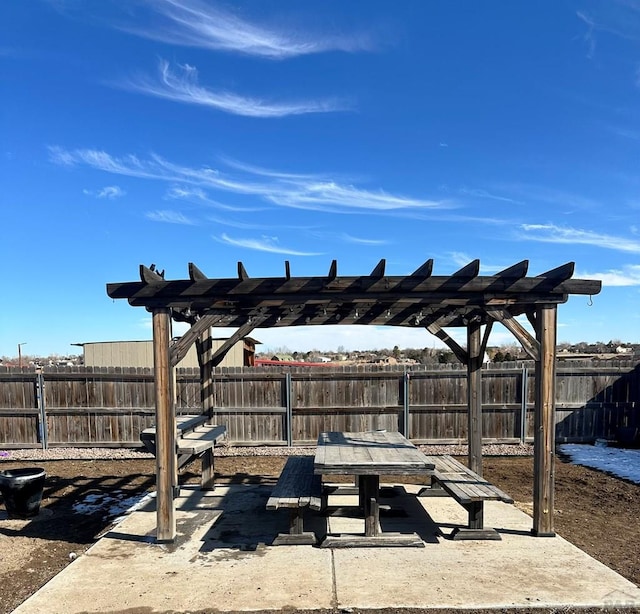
x,y
73,406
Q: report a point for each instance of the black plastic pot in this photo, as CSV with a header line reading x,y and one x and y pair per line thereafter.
x,y
22,491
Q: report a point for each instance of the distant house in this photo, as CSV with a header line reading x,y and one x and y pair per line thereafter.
x,y
140,354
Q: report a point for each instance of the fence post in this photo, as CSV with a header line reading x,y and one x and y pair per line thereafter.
x,y
289,409
43,427
405,404
523,409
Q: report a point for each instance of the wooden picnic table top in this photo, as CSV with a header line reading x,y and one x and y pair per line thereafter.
x,y
369,453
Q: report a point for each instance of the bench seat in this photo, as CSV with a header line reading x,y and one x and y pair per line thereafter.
x,y
452,478
297,489
193,438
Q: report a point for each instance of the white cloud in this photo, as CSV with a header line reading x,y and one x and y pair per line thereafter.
x,y
550,233
528,193
199,196
195,24
362,240
183,87
480,193
628,275
110,192
169,217
286,190
264,244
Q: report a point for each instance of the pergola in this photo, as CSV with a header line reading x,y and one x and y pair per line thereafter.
x,y
464,299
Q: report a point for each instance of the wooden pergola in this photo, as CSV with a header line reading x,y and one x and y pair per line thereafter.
x,y
464,299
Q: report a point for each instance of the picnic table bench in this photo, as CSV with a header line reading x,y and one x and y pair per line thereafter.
x,y
297,489
193,438
452,478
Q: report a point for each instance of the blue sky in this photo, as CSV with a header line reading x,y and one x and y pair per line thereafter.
x,y
172,131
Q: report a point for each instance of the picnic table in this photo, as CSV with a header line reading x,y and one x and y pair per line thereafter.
x,y
369,455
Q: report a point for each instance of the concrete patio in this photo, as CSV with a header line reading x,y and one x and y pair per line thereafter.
x,y
223,561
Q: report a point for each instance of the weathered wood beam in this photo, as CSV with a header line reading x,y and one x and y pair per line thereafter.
x,y
424,270
468,270
205,348
195,274
531,316
218,355
474,396
180,348
480,289
544,423
149,275
460,353
561,273
333,270
517,271
530,345
166,461
378,271
485,338
242,272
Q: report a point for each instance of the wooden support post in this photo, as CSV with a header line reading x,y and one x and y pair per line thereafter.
x,y
166,460
474,396
205,351
545,428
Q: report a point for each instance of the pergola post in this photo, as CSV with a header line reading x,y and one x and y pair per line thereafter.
x,y
545,428
166,461
474,396
205,349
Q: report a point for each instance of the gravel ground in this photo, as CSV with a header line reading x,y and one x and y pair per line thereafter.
x,y
36,454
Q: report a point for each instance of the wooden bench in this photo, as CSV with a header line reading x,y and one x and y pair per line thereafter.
x,y
297,489
452,478
193,438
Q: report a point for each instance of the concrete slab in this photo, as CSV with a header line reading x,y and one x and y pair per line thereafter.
x,y
223,560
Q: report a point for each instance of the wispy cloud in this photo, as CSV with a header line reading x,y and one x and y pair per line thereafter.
x,y
550,233
181,85
362,240
628,275
194,24
461,259
199,196
480,193
344,237
301,192
524,193
619,18
169,217
263,244
111,192
588,37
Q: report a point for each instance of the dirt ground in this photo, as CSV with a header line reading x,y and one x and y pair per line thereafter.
x,y
598,513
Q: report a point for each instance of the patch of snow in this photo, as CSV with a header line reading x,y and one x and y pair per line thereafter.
x,y
620,462
112,504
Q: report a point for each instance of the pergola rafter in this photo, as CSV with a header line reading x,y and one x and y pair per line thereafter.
x,y
420,300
